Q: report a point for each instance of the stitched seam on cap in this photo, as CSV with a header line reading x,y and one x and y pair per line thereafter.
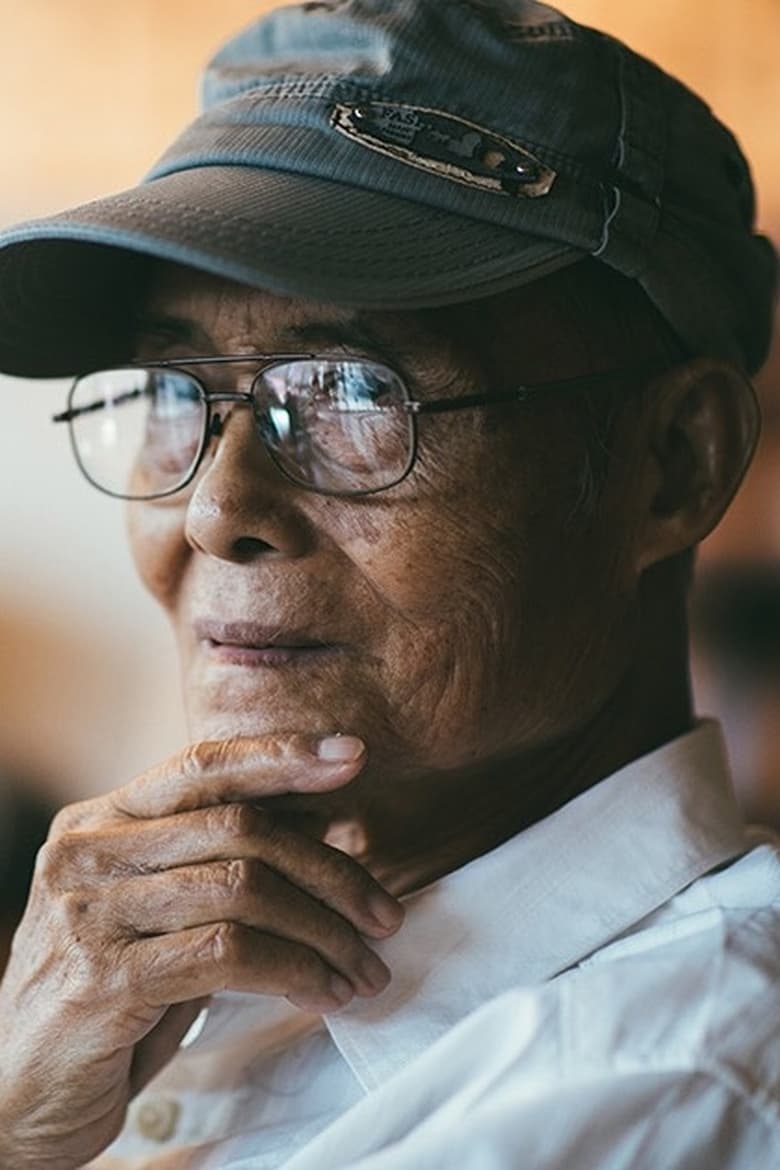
x,y
291,229
254,229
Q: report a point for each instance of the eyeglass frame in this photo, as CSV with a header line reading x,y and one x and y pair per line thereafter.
x,y
412,407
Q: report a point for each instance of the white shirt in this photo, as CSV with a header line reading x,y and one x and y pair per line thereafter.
x,y
598,993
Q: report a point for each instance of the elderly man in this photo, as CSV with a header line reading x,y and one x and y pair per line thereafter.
x,y
421,358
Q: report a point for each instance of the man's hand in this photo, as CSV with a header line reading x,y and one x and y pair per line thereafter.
x,y
150,899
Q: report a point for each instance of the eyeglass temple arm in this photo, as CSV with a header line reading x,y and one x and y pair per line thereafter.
x,y
99,404
465,401
521,393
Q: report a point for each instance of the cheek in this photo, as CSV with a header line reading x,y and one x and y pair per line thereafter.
x,y
439,542
468,536
446,571
505,622
160,552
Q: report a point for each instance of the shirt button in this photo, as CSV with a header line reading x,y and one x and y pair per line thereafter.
x,y
157,1119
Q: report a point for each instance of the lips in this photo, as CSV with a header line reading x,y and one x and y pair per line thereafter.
x,y
255,644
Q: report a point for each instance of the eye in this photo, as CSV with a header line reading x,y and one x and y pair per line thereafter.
x,y
174,421
365,386
172,395
355,386
337,424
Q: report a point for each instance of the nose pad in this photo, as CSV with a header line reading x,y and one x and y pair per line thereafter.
x,y
218,423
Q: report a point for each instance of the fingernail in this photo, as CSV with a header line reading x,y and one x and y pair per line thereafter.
x,y
340,749
388,913
375,972
341,990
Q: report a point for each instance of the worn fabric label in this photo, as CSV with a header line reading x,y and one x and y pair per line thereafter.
x,y
444,145
524,20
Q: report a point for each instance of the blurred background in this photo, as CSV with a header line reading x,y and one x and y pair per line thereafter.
x,y
90,94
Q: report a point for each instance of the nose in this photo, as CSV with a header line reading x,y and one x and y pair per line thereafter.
x,y
242,507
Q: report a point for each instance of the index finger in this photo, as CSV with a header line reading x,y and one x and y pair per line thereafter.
x,y
240,769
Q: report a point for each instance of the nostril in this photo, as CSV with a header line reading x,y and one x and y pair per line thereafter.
x,y
248,548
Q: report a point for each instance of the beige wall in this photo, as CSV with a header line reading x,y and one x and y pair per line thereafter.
x,y
90,92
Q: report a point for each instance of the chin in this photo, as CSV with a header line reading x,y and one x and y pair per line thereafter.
x,y
264,719
231,703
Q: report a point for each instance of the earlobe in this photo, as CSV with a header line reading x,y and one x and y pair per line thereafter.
x,y
703,426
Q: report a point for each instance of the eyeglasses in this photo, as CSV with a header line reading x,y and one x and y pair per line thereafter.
x,y
340,426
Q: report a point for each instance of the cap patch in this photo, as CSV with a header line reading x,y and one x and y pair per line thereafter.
x,y
446,146
524,20
326,5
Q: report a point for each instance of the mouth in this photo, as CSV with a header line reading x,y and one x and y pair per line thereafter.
x,y
253,645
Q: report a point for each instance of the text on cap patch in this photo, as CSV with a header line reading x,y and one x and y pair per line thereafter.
x,y
446,146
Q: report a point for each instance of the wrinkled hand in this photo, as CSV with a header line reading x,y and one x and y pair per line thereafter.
x,y
150,899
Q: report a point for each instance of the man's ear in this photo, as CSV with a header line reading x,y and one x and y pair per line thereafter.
x,y
701,431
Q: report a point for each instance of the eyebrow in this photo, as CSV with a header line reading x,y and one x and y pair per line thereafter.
x,y
312,334
353,334
173,329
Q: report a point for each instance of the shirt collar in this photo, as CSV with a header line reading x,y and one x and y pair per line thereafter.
x,y
546,899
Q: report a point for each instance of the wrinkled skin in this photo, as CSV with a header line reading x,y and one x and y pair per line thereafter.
x,y
490,654
475,619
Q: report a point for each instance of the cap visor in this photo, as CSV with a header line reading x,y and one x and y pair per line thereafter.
x,y
68,281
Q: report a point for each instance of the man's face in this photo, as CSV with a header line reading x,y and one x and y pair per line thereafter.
x,y
460,615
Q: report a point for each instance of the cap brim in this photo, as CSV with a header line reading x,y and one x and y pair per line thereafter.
x,y
66,281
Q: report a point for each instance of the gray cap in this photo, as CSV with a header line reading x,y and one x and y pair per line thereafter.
x,y
406,153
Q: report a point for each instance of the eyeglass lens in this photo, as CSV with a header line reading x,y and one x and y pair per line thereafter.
x,y
334,425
